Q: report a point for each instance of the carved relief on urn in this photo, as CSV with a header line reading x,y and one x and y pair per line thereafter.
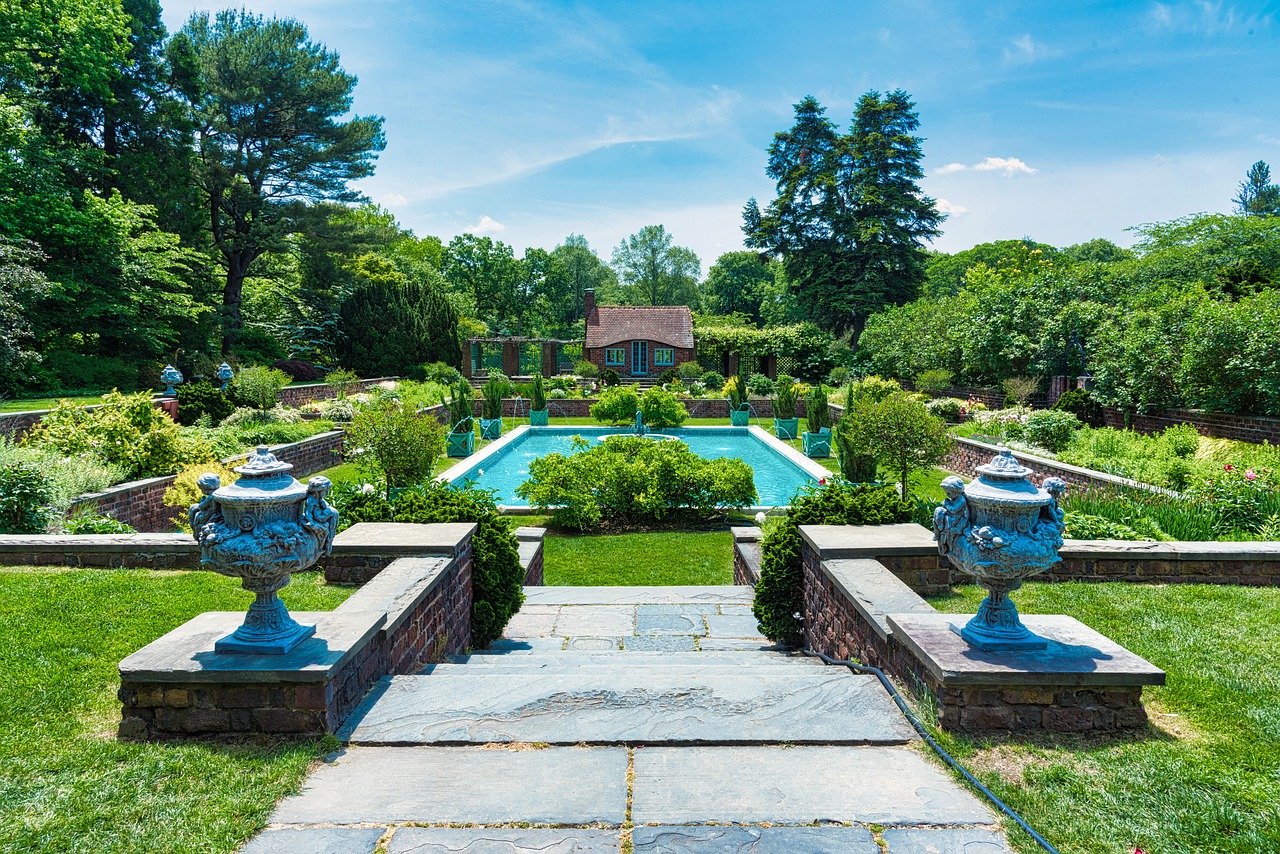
x,y
1001,529
261,529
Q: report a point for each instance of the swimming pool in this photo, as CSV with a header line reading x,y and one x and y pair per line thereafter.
x,y
779,469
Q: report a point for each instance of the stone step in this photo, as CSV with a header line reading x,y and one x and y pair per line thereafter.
x,y
621,658
634,705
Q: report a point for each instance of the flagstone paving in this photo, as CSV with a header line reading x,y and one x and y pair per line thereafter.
x,y
645,719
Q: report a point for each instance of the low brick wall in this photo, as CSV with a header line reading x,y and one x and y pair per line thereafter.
x,y
529,541
570,407
967,454
140,503
746,556
14,424
415,613
296,395
1245,428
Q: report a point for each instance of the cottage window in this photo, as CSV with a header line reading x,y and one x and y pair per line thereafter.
x,y
615,356
664,356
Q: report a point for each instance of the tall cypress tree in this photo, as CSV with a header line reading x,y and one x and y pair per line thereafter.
x,y
849,218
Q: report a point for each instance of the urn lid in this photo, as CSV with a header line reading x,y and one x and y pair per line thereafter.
x,y
1004,480
263,480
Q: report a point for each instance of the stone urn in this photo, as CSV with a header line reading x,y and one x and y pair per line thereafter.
x,y
261,529
1001,529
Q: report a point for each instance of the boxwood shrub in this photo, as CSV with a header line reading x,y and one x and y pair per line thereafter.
x,y
780,591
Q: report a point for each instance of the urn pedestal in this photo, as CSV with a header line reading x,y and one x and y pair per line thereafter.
x,y
1001,529
261,529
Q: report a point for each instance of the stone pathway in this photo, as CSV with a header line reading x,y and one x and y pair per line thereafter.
x,y
618,719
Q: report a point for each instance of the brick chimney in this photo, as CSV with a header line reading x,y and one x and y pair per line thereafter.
x,y
588,300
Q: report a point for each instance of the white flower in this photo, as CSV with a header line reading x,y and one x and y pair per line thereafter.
x,y
760,517
480,472
367,489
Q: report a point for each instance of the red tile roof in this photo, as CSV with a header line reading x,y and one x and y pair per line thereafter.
x,y
666,324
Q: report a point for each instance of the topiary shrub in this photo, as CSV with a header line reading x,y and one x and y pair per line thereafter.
x,y
784,401
609,377
761,385
670,375
202,398
1051,429
660,409
817,410
1082,405
949,409
24,499
690,371
497,578
630,480
712,380
780,591
538,394
616,405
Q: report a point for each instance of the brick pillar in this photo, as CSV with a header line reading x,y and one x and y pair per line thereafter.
x,y
467,367
731,364
1057,386
549,366
510,358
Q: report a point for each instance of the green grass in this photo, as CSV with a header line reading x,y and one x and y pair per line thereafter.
x,y
675,557
1205,775
35,403
66,783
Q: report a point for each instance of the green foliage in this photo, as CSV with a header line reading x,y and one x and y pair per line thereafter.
x,y
258,386
690,371
713,380
196,400
496,576
460,408
1018,390
737,284
343,382
899,432
949,409
1183,439
397,317
631,480
1082,405
872,389
1051,429
652,271
934,380
394,442
21,282
736,390
784,401
24,499
538,399
185,491
779,592
439,373
491,398
1258,196
661,409
817,410
617,405
95,523
583,368
609,377
761,385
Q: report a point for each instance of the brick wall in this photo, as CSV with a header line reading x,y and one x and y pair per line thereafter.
x,y
746,556
570,407
1244,428
140,503
967,454
296,395
14,424
596,356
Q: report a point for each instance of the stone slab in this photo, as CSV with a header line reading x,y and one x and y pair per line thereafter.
x,y
403,538
529,533
944,840
538,662
1076,655
741,644
181,544
186,653
797,785
874,591
756,840
509,646
668,643
746,534
593,644
734,626
599,620
484,840
443,785
684,610
730,610
728,594
531,624
649,705
869,541
399,588
670,624
315,840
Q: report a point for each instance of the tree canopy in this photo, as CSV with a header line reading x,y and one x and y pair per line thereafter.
x,y
653,271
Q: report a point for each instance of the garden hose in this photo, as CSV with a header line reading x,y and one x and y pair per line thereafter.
x,y
937,748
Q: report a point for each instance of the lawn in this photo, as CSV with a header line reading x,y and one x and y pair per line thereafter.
x,y
1204,776
66,784
668,557
38,403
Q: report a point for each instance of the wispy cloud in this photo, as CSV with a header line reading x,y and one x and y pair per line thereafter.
x,y
1205,18
486,225
392,201
1025,50
951,208
1010,166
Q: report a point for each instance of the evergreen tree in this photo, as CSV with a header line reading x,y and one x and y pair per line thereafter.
x,y
396,320
1258,196
849,218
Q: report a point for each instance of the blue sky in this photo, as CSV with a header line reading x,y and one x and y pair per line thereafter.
x,y
1059,121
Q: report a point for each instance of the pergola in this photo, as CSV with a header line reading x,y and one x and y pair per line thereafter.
x,y
518,356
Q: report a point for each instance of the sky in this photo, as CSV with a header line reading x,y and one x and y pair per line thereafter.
x,y
530,121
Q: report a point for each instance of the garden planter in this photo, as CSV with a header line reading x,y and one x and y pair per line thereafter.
x,y
461,444
786,428
740,417
817,445
490,428
538,417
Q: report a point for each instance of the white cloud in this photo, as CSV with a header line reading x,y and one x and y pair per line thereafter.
x,y
951,209
486,225
1008,165
949,168
391,201
1026,50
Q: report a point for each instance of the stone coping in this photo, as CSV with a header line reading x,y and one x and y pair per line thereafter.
x,y
869,541
179,543
408,538
1076,656
874,592
746,535
396,590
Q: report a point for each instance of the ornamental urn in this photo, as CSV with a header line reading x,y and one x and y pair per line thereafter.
x,y
1001,529
261,529
170,376
225,374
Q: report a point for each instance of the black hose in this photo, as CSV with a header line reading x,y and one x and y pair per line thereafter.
x,y
937,748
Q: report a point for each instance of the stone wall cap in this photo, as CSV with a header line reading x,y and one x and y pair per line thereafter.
x,y
186,653
874,591
99,543
1077,655
1175,551
528,532
403,538
869,541
746,534
397,589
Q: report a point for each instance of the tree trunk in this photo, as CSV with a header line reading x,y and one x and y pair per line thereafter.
x,y
232,295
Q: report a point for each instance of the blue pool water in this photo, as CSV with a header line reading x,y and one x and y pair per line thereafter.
x,y
777,478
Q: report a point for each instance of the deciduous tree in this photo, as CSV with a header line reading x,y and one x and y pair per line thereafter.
x,y
655,272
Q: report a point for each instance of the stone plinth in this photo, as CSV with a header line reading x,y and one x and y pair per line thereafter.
x,y
1082,682
364,550
746,556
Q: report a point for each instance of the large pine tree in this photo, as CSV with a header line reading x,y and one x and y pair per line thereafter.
x,y
849,219
1258,196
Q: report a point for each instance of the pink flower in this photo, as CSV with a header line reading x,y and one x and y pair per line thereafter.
x,y
1249,475
1228,467
822,482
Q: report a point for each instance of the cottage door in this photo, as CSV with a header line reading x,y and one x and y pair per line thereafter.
x,y
639,358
